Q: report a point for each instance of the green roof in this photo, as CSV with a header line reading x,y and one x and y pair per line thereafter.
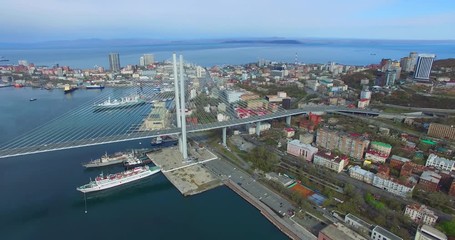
x,y
428,141
382,144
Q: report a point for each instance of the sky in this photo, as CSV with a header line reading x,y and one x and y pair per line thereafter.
x,y
47,20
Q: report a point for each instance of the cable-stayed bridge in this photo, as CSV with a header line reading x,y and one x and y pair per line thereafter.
x,y
87,125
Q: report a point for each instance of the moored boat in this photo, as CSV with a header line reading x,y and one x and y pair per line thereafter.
x,y
156,141
106,160
94,86
124,102
136,162
69,89
112,180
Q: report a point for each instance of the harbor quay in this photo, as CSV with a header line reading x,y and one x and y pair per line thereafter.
x,y
189,177
274,207
204,171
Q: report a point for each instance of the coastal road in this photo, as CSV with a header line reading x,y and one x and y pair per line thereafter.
x,y
228,171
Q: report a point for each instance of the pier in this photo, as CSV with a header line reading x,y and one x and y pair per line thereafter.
x,y
189,177
267,212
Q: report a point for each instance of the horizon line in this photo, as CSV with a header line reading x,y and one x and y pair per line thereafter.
x,y
220,39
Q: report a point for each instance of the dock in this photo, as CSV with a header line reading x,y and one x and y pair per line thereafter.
x,y
189,177
266,211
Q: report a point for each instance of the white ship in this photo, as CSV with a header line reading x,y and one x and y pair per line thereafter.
x,y
124,102
112,180
106,160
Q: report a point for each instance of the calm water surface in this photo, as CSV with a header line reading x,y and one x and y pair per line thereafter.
x,y
39,198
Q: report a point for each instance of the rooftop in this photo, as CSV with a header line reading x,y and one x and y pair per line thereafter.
x,y
421,208
431,176
401,159
429,230
358,220
386,233
339,231
381,144
330,156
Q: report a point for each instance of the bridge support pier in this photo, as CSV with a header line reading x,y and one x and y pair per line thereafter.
x,y
224,137
288,121
258,129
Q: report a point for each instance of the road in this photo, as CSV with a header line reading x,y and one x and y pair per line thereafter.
x,y
283,208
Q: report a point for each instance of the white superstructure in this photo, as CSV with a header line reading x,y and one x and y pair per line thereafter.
x,y
112,180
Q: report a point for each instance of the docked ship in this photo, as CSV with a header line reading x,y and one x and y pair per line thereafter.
x,y
69,89
136,162
112,180
124,102
94,86
163,139
106,160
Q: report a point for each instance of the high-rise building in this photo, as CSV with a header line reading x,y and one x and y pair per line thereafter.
x,y
146,59
406,64
413,57
423,66
390,77
353,145
114,62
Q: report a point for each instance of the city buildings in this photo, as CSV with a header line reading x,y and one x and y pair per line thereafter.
x,y
284,180
392,185
358,224
298,149
375,156
426,232
397,162
114,62
421,214
441,131
429,181
384,148
147,59
452,189
352,144
440,163
338,231
361,174
330,161
379,233
423,66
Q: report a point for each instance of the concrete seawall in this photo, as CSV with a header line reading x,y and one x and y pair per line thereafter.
x,y
267,212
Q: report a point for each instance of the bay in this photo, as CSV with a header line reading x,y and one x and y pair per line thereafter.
x,y
39,198
349,52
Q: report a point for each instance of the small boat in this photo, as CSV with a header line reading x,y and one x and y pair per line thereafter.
x,y
32,99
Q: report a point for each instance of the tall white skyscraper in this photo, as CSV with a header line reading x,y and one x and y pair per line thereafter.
x,y
146,59
114,62
423,66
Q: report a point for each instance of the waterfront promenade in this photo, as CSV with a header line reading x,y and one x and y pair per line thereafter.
x,y
272,206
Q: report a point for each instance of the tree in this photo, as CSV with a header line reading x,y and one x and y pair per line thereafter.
x,y
349,190
448,227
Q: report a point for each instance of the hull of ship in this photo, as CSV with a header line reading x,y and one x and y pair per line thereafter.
x,y
101,108
164,142
119,182
94,87
102,164
69,90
